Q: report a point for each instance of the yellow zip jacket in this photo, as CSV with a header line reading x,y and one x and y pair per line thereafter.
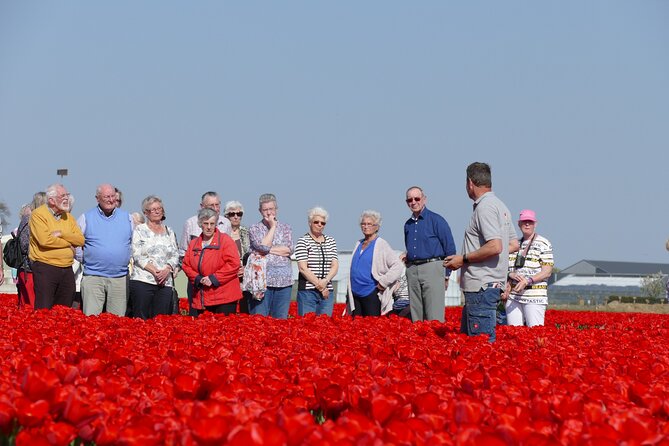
x,y
44,247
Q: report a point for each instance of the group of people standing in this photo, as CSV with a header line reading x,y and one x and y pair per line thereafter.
x,y
130,261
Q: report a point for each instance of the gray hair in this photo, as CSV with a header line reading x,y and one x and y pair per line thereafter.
x,y
52,190
317,212
70,203
137,218
25,210
422,193
374,215
148,201
205,214
480,174
211,193
98,190
119,196
266,198
38,200
232,205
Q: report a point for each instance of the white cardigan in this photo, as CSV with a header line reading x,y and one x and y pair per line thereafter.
x,y
386,269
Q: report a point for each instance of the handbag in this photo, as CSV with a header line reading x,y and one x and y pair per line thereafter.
x,y
520,258
174,306
11,253
255,276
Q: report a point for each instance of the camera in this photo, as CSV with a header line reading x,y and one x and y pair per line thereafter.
x,y
520,261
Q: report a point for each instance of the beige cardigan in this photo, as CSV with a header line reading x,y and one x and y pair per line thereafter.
x,y
386,269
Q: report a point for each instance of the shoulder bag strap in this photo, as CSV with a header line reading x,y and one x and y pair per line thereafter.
x,y
527,248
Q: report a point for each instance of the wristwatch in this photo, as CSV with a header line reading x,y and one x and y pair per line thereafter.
x,y
465,259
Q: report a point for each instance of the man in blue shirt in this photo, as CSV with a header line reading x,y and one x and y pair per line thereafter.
x,y
428,241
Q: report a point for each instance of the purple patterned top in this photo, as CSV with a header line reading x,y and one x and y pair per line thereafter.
x,y
279,270
24,241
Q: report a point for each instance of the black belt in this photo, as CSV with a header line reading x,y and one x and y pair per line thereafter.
x,y
423,261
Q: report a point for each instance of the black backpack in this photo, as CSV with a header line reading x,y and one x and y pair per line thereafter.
x,y
11,252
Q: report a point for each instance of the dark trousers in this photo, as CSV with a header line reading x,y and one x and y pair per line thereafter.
x,y
368,305
226,309
150,300
404,312
244,302
190,292
54,285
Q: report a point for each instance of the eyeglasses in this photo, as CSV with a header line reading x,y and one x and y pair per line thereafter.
x,y
155,210
234,214
416,199
368,224
318,222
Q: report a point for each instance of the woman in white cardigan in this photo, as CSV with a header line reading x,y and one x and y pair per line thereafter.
x,y
375,267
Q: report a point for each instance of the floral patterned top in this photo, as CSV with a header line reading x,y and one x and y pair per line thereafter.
x,y
244,245
279,270
23,231
160,249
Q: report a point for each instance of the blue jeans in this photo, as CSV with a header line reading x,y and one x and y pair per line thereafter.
x,y
311,301
479,316
275,303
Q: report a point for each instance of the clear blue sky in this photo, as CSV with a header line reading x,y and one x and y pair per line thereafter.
x,y
346,104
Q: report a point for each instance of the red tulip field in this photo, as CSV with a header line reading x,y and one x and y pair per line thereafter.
x,y
585,378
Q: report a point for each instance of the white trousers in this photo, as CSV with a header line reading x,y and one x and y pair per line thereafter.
x,y
524,314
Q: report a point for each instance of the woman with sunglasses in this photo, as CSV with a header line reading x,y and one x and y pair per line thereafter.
x,y
234,211
316,255
375,268
526,291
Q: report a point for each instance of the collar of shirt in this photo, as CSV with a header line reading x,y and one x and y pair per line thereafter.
x,y
102,213
477,202
56,216
420,216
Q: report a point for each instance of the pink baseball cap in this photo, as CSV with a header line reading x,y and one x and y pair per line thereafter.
x,y
527,214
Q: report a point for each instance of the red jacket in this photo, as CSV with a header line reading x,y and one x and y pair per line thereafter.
x,y
220,262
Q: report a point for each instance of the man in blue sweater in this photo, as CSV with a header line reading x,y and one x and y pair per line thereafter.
x,y
106,254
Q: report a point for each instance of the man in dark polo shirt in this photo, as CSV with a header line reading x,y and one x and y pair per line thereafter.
x,y
428,240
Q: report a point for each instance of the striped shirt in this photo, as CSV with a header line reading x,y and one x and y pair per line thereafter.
x,y
319,257
539,254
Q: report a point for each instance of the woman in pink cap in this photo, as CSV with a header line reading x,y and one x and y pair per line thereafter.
x,y
527,290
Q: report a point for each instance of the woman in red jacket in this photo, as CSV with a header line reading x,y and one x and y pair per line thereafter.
x,y
211,264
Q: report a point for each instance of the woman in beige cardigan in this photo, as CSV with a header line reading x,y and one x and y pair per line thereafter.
x,y
375,267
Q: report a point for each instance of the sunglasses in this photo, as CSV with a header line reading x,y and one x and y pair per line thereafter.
x,y
234,214
416,199
316,222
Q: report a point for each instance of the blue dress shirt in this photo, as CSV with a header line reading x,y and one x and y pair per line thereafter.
x,y
428,236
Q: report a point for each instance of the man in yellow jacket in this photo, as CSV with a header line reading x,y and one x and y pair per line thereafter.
x,y
54,234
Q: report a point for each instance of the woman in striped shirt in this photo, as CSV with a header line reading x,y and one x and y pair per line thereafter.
x,y
316,255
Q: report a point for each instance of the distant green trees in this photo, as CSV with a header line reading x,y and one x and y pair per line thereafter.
x,y
4,214
654,285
